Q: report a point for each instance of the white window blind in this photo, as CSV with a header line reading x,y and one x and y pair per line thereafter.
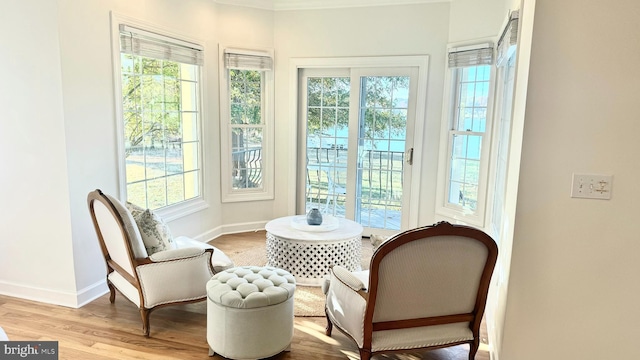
x,y
148,44
471,55
247,60
508,40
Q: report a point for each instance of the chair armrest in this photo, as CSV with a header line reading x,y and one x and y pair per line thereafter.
x,y
176,254
219,259
346,303
347,278
178,278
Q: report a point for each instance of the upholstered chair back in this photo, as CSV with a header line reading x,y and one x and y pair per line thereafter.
x,y
427,289
414,276
119,232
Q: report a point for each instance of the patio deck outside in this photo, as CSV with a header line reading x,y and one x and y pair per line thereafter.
x,y
378,191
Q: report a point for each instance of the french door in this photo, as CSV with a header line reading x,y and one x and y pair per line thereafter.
x,y
358,134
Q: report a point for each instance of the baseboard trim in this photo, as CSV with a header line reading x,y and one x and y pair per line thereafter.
x,y
92,292
230,229
49,296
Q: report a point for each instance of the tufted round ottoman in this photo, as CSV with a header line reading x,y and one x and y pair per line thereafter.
x,y
250,312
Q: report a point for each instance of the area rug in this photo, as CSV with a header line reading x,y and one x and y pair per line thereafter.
x,y
308,300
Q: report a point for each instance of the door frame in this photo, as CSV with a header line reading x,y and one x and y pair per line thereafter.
x,y
419,61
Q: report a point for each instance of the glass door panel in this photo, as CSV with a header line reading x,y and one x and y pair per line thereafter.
x,y
327,114
381,150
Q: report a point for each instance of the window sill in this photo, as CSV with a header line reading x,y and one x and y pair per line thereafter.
x,y
247,196
177,211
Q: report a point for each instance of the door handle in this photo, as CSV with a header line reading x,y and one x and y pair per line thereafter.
x,y
410,156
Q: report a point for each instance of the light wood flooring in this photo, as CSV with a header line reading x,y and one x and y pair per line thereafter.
x,y
101,330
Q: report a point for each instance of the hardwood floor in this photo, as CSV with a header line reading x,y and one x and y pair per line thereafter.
x,y
101,330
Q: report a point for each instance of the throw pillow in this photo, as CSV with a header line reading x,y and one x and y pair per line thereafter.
x,y
134,209
155,233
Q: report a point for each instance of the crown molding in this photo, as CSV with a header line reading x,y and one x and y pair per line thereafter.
x,y
257,4
283,5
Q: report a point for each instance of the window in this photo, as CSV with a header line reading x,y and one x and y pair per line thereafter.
x,y
160,117
246,125
468,128
505,85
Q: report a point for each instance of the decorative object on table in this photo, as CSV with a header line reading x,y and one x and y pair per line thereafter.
x,y
314,217
329,223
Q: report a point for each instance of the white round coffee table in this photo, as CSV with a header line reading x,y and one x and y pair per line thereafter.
x,y
308,252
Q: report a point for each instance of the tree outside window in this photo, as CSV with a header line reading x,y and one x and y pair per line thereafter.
x,y
160,103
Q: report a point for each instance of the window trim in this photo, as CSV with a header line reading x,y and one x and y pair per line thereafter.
x,y
186,207
296,64
442,207
266,192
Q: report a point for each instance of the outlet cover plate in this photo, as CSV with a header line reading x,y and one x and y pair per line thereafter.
x,y
590,186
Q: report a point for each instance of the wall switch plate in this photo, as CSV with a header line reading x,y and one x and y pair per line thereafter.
x,y
588,186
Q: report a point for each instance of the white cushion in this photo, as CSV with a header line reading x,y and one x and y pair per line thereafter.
x,y
155,233
3,335
174,281
420,337
362,276
220,261
248,287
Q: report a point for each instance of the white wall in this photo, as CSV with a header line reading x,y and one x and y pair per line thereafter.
x,y
573,290
36,257
374,31
474,19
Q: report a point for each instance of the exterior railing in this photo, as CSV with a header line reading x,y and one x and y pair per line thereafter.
x,y
379,189
381,173
247,168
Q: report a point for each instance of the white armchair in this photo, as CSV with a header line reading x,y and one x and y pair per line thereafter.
x,y
168,277
426,289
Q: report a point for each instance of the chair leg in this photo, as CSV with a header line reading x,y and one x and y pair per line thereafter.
x,y
473,348
329,328
144,313
365,354
112,293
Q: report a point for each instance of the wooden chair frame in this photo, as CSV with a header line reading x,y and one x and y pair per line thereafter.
x,y
474,318
112,266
